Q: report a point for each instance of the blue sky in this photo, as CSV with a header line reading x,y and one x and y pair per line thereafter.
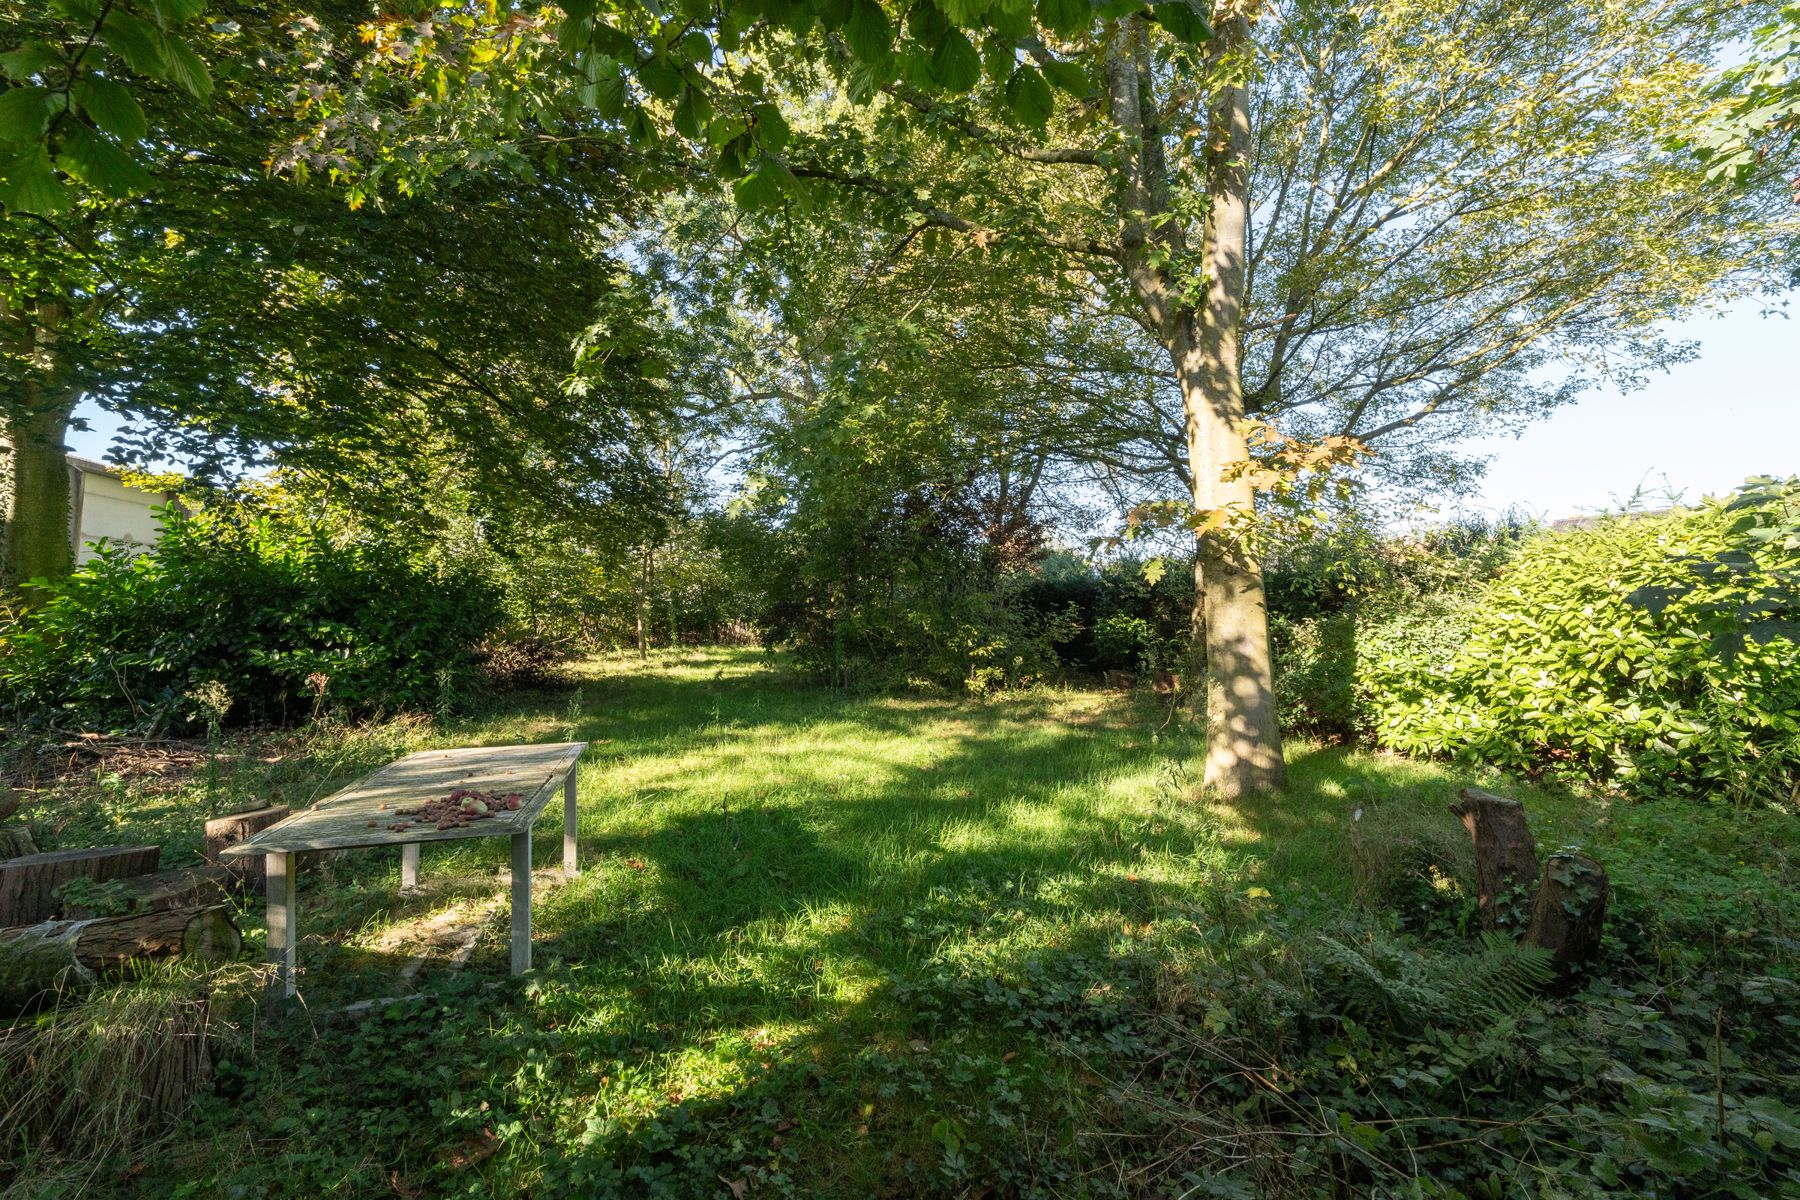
x,y
1732,411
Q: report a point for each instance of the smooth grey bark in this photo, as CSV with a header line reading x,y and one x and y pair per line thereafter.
x,y
1243,748
1230,619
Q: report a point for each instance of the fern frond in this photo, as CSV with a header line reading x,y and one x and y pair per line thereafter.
x,y
1387,980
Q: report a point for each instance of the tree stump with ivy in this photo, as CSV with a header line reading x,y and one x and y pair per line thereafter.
x,y
1569,913
1561,909
1506,864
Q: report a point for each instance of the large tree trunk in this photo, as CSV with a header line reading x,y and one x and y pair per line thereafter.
x,y
38,538
1243,750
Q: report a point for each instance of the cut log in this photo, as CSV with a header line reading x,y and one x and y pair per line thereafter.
x,y
222,833
15,842
1570,911
105,944
1505,856
184,887
34,970
28,885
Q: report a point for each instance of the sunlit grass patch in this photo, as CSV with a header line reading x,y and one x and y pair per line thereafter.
x,y
817,935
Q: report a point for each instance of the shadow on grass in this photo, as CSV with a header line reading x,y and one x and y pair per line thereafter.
x,y
821,938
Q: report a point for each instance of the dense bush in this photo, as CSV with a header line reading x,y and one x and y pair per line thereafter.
x,y
1115,617
1340,603
1657,652
246,615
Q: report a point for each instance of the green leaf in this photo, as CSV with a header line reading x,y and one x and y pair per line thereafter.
x,y
660,79
1182,19
866,79
771,128
966,13
763,188
725,128
927,25
1028,95
692,112
1011,19
607,95
176,12
28,184
136,41
998,58
869,32
697,47
111,106
1064,16
1067,76
183,68
29,59
956,66
101,163
734,155
1764,632
24,113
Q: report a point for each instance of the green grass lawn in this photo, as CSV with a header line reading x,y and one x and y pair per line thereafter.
x,y
822,944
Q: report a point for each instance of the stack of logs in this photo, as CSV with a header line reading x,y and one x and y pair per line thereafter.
x,y
50,944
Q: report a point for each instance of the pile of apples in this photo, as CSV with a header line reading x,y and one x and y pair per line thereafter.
x,y
461,808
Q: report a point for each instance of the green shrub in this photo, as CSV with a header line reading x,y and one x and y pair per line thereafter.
x,y
1354,598
286,618
1654,652
1315,675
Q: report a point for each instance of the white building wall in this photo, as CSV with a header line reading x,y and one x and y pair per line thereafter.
x,y
107,509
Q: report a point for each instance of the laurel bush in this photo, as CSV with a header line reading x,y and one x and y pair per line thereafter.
x,y
1655,653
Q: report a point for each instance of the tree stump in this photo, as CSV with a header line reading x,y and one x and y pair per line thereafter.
x,y
184,887
1563,911
1505,856
1570,910
222,833
15,842
38,958
28,885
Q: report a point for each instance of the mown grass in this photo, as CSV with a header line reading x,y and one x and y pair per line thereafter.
x,y
769,973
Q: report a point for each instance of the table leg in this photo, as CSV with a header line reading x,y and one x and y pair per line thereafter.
x,y
521,902
280,910
569,866
409,865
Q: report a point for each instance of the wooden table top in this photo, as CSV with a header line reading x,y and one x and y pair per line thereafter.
x,y
360,814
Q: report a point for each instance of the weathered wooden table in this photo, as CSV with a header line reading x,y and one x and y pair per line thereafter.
x,y
361,814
